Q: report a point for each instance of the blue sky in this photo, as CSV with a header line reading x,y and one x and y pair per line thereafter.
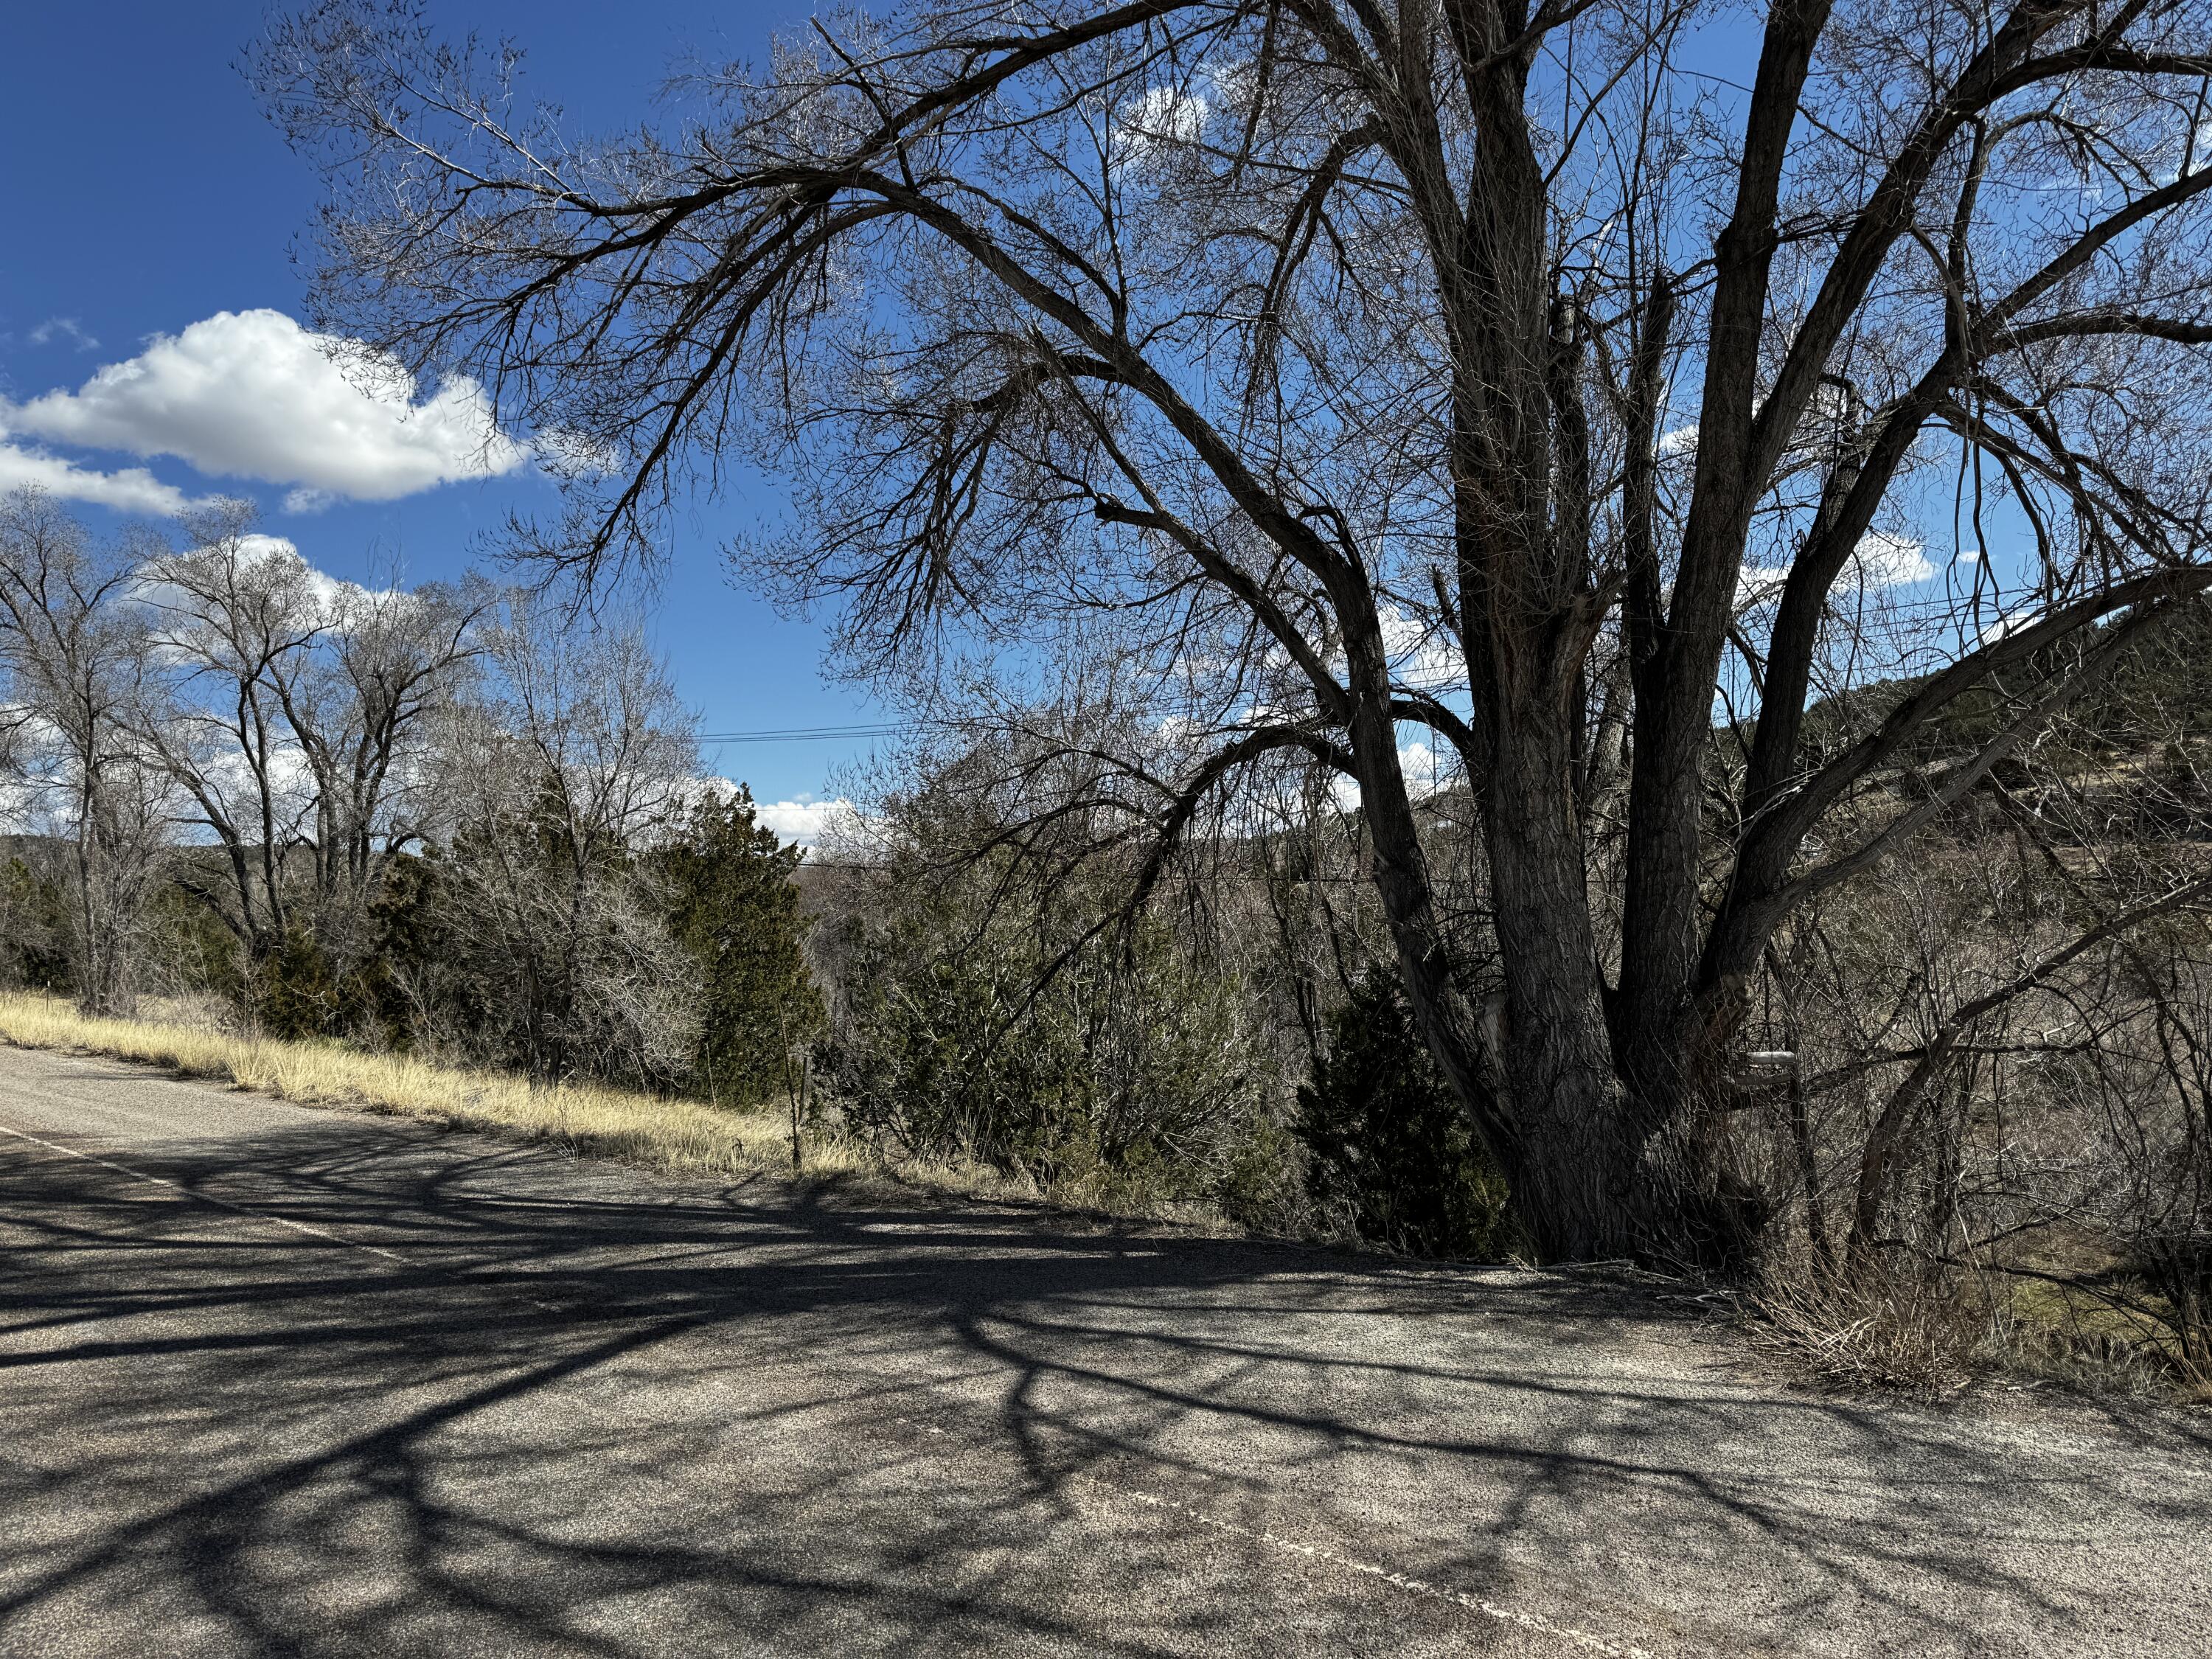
x,y
145,194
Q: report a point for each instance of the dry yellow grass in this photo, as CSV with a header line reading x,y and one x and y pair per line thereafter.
x,y
586,1118
593,1121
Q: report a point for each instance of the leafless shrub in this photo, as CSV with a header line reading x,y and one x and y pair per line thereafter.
x,y
2000,1070
1883,1329
570,756
72,658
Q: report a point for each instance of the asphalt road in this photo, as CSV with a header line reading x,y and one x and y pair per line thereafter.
x,y
282,1381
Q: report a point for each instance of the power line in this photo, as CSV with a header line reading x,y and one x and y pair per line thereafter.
x,y
802,733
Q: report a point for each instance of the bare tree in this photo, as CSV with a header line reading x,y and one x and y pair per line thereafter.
x,y
572,756
72,647
1340,365
295,710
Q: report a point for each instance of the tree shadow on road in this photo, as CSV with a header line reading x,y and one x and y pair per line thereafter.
x,y
411,1393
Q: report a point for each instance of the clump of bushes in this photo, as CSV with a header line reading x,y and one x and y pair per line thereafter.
x,y
1392,1156
1104,1063
1004,1008
34,928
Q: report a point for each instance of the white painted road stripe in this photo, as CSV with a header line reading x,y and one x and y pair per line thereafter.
x,y
1321,1552
208,1198
1490,1610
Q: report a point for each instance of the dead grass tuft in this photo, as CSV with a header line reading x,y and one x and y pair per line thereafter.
x,y
1877,1330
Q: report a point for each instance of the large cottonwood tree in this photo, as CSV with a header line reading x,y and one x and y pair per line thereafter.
x,y
1535,376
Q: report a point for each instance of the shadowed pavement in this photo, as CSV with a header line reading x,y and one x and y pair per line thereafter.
x,y
283,1381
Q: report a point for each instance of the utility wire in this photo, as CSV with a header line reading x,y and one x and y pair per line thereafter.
x,y
802,733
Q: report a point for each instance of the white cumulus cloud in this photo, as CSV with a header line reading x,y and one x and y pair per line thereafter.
x,y
1880,560
1164,115
1425,773
251,394
271,564
133,489
2011,621
806,821
1421,654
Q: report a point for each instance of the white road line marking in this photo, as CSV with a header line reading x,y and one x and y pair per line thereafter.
x,y
208,1198
252,1214
1491,1610
1321,1552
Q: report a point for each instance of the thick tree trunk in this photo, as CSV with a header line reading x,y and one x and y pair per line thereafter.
x,y
1575,1177
1533,1067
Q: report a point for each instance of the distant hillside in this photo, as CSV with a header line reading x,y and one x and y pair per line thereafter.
x,y
2159,692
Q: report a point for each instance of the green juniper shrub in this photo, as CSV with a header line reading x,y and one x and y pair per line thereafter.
x,y
1392,1152
734,908
427,992
407,939
297,991
190,950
